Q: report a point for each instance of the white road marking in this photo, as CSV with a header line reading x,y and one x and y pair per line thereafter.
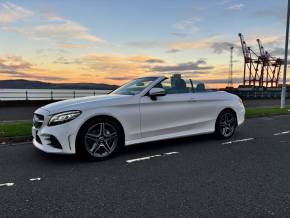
x,y
282,133
150,157
143,158
7,184
12,184
239,140
35,179
170,153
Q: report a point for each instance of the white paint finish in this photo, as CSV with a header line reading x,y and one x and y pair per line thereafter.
x,y
7,184
282,133
169,114
35,179
239,140
143,120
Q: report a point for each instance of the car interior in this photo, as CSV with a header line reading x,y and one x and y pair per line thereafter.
x,y
178,85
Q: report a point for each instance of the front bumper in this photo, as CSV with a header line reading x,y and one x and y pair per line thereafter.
x,y
46,148
63,135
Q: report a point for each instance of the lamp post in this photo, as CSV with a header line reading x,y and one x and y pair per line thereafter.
x,y
284,87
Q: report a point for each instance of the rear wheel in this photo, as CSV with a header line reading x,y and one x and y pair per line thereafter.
x,y
226,124
99,139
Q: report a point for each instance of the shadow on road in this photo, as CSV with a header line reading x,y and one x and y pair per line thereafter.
x,y
168,144
133,150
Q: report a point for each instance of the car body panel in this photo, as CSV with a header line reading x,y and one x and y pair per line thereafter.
x,y
169,114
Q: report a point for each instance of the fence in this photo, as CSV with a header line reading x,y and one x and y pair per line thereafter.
x,y
38,94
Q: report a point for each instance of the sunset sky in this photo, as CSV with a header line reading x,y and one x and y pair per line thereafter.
x,y
112,41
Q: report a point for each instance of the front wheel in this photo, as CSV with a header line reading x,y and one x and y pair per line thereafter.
x,y
99,139
226,124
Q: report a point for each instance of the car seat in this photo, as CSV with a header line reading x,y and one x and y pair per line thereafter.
x,y
200,87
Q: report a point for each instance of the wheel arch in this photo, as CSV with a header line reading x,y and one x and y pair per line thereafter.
x,y
104,116
225,109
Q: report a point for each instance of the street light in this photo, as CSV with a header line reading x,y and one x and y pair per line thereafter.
x,y
284,87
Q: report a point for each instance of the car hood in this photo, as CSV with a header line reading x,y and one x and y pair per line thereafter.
x,y
84,103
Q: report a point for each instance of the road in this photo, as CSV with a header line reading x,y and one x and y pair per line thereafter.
x,y
12,113
246,176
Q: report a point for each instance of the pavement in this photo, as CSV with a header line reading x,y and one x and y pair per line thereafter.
x,y
17,113
245,176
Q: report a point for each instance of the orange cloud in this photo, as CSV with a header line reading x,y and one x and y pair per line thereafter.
x,y
72,45
204,43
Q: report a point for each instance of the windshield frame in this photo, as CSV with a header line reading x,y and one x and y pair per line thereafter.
x,y
145,90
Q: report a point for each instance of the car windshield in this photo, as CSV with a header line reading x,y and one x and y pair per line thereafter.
x,y
135,87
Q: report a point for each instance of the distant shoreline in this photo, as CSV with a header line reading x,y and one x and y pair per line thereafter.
x,y
29,84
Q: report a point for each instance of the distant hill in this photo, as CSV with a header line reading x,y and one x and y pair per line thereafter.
x,y
29,84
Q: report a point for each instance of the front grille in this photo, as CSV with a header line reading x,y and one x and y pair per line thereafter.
x,y
38,120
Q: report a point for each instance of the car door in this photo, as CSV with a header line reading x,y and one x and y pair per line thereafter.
x,y
170,114
205,106
205,110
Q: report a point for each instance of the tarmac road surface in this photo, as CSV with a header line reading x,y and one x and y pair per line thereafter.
x,y
246,176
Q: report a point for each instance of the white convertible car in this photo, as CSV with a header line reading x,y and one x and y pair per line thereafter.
x,y
143,110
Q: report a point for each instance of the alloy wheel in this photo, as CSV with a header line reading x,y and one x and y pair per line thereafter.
x,y
227,124
101,139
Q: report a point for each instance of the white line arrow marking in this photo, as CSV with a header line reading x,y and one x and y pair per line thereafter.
x,y
150,157
35,179
170,153
239,140
7,184
282,133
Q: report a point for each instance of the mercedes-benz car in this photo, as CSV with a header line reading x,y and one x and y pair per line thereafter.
x,y
143,110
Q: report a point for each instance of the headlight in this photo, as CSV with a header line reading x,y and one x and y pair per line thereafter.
x,y
63,117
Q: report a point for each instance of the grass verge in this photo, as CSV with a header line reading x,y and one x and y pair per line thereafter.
x,y
265,112
15,129
19,129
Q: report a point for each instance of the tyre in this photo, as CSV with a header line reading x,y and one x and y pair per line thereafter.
x,y
226,124
99,139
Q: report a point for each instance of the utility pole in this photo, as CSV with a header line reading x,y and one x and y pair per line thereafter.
x,y
230,81
284,87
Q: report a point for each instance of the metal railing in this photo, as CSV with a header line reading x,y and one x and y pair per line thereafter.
x,y
46,94
30,94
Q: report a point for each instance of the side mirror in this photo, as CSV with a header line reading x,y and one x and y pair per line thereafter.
x,y
155,92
